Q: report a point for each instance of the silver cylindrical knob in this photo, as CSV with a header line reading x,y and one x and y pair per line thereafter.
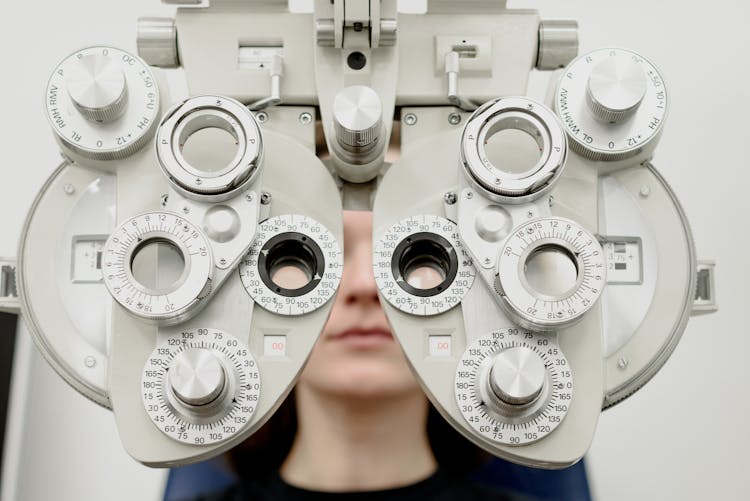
x,y
357,118
517,376
157,41
196,376
615,89
97,87
558,44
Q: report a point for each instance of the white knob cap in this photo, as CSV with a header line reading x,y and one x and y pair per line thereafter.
x,y
517,376
615,89
357,118
196,376
98,88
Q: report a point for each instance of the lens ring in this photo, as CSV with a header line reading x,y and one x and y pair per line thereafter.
x,y
169,306
198,113
283,247
442,253
324,261
518,113
390,265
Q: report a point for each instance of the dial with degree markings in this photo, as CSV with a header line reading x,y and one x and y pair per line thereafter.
x,y
513,386
215,393
550,272
102,103
419,242
171,303
612,102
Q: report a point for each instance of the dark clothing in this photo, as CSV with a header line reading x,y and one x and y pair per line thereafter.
x,y
438,487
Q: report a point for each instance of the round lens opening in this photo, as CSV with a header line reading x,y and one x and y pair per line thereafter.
x,y
512,150
425,264
210,149
157,265
291,264
551,270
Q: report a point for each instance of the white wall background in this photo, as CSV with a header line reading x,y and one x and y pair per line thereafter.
x,y
685,436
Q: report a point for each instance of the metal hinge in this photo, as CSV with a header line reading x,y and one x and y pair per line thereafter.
x,y
704,300
8,291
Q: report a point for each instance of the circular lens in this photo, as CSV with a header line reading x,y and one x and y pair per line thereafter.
x,y
513,151
425,264
291,264
513,144
551,270
157,265
210,149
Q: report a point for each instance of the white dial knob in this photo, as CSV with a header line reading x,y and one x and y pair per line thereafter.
x,y
357,114
517,376
102,103
96,85
615,89
196,376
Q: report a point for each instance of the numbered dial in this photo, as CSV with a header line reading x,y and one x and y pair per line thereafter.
x,y
102,103
550,273
294,266
421,266
612,103
201,387
158,266
513,386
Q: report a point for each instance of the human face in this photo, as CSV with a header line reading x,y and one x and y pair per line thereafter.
x,y
356,355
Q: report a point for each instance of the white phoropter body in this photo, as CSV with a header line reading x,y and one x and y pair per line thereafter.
x,y
472,241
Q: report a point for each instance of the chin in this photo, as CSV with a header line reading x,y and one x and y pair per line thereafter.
x,y
360,377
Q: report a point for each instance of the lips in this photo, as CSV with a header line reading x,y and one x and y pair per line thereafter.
x,y
364,338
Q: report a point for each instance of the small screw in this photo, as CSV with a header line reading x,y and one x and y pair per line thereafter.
x,y
305,118
487,261
530,214
622,363
249,197
265,198
164,200
186,209
469,195
218,102
529,230
410,119
262,116
89,361
454,119
551,201
559,314
222,261
645,191
69,189
450,198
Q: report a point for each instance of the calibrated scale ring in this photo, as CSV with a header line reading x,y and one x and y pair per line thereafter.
x,y
550,272
102,102
513,386
514,113
201,387
202,112
165,305
413,246
296,249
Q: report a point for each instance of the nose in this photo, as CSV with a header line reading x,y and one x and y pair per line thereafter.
x,y
358,285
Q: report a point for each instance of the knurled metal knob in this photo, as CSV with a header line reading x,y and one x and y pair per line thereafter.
x,y
357,118
517,376
97,87
196,376
615,89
